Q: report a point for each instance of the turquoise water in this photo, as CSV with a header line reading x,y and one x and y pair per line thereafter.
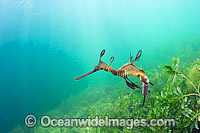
x,y
45,44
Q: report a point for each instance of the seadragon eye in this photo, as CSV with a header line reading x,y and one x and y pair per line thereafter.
x,y
138,75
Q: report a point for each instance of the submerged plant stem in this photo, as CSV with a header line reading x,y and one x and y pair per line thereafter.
x,y
192,94
190,83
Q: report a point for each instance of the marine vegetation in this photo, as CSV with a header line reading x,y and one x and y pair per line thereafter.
x,y
124,71
185,100
175,95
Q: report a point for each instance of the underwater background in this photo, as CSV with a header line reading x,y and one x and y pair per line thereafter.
x,y
44,45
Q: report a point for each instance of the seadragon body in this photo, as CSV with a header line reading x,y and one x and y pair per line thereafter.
x,y
128,69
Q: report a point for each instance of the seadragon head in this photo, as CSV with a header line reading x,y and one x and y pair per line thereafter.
x,y
141,73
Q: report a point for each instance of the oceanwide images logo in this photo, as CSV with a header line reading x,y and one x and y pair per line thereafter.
x,y
47,121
